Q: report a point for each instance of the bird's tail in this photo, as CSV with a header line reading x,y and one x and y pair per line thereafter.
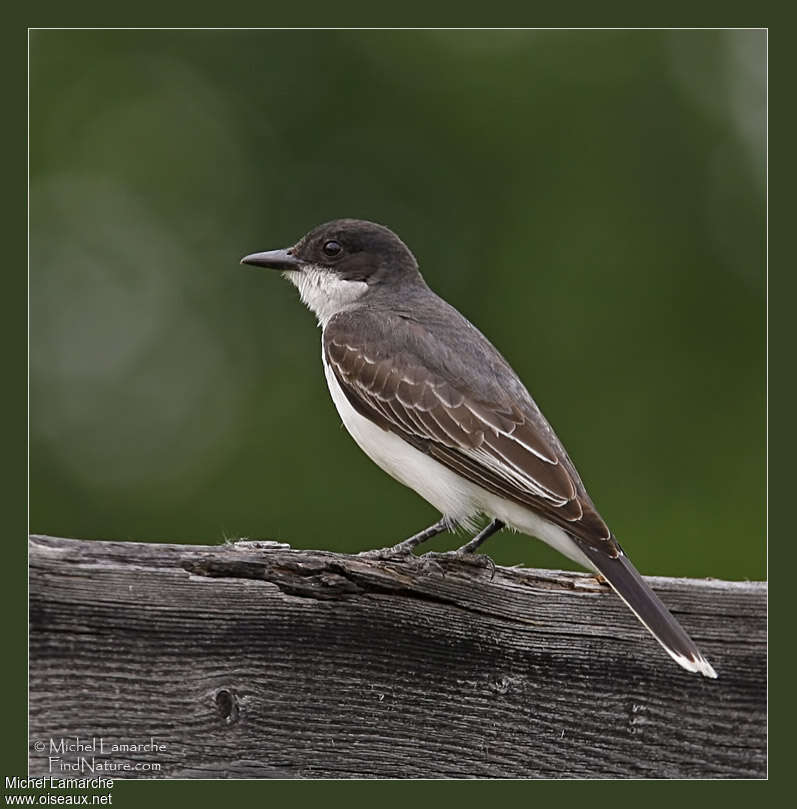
x,y
626,581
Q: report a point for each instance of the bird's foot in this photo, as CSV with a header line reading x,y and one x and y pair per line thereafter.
x,y
404,550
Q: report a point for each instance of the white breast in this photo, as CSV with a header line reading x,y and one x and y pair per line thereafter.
x,y
323,292
456,498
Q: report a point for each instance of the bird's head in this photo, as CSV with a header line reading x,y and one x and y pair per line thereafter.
x,y
339,263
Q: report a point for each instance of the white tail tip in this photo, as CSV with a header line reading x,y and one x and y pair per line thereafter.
x,y
697,665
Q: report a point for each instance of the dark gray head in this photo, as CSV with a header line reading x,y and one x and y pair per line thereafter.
x,y
353,249
339,263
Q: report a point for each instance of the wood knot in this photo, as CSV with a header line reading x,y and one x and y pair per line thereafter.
x,y
504,684
227,705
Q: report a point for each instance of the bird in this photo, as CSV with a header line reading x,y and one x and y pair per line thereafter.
x,y
432,402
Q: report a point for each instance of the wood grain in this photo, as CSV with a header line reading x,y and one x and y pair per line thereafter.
x,y
255,660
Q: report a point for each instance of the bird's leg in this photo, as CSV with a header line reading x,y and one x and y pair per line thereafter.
x,y
470,547
408,545
493,528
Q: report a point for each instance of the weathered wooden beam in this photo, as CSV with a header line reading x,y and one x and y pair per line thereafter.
x,y
255,660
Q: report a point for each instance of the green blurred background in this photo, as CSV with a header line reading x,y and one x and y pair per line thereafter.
x,y
593,200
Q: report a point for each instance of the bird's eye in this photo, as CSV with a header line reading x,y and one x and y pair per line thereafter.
x,y
332,249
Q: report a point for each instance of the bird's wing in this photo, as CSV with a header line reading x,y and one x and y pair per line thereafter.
x,y
506,449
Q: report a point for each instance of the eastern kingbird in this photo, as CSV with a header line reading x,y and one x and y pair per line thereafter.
x,y
429,399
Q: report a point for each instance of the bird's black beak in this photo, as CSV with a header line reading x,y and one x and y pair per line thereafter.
x,y
275,260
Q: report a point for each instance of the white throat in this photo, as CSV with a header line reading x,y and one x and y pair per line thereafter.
x,y
323,292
